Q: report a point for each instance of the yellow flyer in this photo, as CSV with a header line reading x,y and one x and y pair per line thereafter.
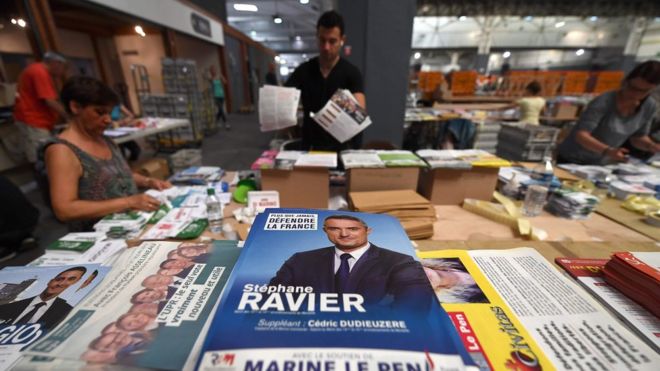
x,y
490,331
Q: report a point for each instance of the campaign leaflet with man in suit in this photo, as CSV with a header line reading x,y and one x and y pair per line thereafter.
x,y
328,291
33,300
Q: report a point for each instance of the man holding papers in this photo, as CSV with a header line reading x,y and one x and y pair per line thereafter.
x,y
320,77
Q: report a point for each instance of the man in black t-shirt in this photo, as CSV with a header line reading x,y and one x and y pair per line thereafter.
x,y
320,77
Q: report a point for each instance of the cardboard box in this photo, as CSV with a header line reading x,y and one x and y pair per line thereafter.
x,y
154,168
452,186
307,187
382,179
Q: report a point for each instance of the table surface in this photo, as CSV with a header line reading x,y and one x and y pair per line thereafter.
x,y
164,124
479,99
611,208
550,250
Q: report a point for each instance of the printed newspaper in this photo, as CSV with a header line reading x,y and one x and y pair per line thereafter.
x,y
294,302
544,311
33,300
151,311
342,116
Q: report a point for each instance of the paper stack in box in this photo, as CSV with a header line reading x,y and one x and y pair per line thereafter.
x,y
287,160
369,158
198,175
571,205
415,213
636,275
461,159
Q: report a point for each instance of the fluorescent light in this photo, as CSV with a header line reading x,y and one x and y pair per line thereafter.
x,y
277,19
246,7
298,38
560,24
277,58
304,1
593,18
14,21
462,18
506,54
140,31
284,70
21,23
417,55
529,18
579,52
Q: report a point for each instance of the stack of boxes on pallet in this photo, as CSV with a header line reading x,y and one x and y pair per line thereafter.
x,y
485,138
525,142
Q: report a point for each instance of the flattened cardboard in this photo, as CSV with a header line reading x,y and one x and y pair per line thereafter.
x,y
382,179
452,186
305,187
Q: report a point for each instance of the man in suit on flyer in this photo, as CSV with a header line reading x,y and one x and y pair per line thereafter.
x,y
355,265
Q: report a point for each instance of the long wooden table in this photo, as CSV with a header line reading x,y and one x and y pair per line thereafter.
x,y
611,208
550,250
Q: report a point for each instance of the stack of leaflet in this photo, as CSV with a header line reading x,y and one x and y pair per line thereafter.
x,y
622,190
287,160
265,161
636,275
571,205
515,181
123,225
415,213
198,175
461,159
380,159
81,248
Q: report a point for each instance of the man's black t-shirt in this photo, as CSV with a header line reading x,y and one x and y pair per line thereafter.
x,y
316,91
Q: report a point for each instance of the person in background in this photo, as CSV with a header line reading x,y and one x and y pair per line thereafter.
x,y
122,116
532,104
88,176
18,218
217,81
614,117
320,77
37,108
271,76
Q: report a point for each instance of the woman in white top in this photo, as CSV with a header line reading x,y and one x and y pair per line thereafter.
x,y
531,105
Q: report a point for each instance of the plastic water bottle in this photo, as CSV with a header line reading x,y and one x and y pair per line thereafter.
x,y
213,211
543,172
537,194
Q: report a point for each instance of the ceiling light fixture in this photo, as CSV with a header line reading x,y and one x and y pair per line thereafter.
x,y
462,18
529,18
417,55
277,58
246,8
21,23
298,38
506,54
253,33
304,2
14,21
560,24
593,18
579,52
277,19
282,61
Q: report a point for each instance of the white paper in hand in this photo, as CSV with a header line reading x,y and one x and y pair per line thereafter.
x,y
342,116
277,107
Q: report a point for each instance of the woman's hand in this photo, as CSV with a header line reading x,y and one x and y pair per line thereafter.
x,y
159,184
142,202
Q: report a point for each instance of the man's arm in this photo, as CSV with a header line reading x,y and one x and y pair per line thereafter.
x,y
362,99
57,107
586,140
588,122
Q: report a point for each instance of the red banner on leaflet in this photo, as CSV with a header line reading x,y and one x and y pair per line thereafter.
x,y
468,336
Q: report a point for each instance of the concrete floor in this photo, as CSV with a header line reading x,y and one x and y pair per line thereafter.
x,y
233,149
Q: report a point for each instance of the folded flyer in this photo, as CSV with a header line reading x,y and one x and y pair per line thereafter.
x,y
294,299
342,116
151,311
571,329
35,299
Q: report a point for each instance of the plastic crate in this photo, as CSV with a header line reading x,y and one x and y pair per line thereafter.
x,y
527,134
531,152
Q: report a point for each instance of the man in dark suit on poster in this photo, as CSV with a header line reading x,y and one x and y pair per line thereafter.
x,y
46,308
354,265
